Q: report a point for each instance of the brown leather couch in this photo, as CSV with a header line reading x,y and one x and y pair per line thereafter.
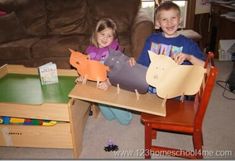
x,y
34,32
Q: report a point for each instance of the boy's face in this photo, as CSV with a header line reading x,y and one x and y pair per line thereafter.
x,y
105,37
169,21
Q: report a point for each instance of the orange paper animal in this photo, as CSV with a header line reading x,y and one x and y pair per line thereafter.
x,y
89,69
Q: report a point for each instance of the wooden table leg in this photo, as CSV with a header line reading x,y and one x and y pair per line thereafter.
x,y
78,113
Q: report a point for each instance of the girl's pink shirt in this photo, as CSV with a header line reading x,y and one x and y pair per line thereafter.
x,y
100,54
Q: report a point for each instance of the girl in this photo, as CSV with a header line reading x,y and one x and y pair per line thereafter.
x,y
103,38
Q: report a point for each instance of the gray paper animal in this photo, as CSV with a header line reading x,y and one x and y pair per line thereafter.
x,y
129,78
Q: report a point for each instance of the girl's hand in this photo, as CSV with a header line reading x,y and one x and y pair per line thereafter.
x,y
79,79
132,61
104,85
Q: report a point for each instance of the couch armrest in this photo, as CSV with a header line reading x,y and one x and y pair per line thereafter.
x,y
142,27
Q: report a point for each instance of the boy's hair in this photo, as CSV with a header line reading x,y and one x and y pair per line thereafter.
x,y
100,26
167,5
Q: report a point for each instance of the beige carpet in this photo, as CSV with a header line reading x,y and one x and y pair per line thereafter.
x,y
218,134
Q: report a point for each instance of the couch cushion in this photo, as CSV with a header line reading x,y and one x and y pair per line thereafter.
x,y
2,13
57,46
67,17
27,63
61,62
31,13
17,50
7,5
125,43
10,28
122,12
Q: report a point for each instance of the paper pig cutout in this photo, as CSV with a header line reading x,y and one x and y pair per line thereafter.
x,y
172,80
89,69
129,78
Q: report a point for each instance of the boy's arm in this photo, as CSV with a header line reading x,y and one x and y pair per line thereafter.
x,y
181,57
191,53
197,58
195,61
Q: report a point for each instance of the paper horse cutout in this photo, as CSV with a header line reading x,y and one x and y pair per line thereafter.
x,y
89,69
172,80
122,74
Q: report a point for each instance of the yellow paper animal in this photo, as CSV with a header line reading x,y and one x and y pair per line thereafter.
x,y
172,80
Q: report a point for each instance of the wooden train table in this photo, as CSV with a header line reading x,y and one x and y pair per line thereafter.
x,y
23,96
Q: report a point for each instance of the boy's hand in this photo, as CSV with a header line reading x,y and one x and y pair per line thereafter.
x,y
132,61
180,58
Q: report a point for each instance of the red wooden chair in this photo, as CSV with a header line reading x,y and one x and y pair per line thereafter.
x,y
182,117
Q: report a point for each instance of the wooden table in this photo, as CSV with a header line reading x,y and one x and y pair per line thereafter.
x,y
50,102
71,113
148,103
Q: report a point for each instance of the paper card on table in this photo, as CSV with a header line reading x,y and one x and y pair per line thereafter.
x,y
48,73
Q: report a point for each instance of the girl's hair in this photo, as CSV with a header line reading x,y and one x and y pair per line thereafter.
x,y
167,5
100,26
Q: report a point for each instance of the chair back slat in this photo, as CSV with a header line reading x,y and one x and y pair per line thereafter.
x,y
209,60
203,96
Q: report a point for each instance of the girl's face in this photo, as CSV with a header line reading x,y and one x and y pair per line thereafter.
x,y
169,21
105,37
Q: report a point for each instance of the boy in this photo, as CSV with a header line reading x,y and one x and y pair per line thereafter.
x,y
170,42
